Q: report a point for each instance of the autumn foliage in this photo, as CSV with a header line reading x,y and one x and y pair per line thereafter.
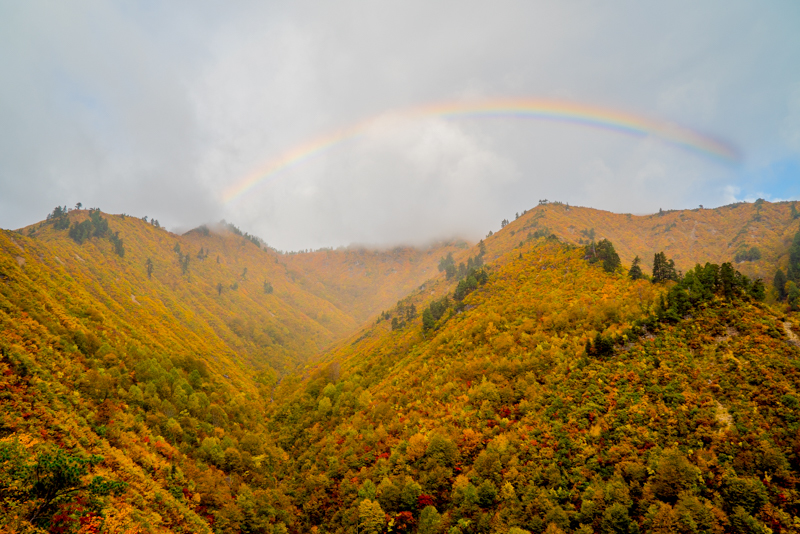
x,y
206,383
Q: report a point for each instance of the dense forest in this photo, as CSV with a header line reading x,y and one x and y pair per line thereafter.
x,y
568,373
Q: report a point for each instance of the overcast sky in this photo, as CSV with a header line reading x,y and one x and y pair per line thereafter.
x,y
156,108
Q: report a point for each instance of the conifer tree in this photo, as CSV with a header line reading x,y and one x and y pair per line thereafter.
x,y
793,272
636,271
603,251
663,269
779,283
149,266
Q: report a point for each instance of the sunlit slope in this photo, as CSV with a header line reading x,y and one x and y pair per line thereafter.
x,y
687,236
220,295
499,418
363,282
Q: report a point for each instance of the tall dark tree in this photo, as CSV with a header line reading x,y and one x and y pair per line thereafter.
x,y
603,252
149,266
779,283
663,269
446,262
427,319
793,273
636,271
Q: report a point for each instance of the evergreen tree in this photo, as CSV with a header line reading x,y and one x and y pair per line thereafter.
x,y
663,269
779,283
636,271
149,266
793,272
604,252
219,288
427,319
444,263
793,295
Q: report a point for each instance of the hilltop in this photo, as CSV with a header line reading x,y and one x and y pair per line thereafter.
x,y
755,236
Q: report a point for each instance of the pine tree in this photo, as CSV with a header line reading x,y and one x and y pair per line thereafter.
x,y
779,283
663,269
149,266
793,272
603,251
427,319
635,272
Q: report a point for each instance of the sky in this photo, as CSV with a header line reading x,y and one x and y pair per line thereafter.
x,y
164,108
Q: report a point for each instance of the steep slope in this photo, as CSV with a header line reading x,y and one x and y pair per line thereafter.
x,y
688,236
537,403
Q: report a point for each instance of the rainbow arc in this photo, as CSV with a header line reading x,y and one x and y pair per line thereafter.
x,y
534,109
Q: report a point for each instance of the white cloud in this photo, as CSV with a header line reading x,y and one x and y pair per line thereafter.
x,y
156,109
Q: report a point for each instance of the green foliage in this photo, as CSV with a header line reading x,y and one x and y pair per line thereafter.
x,y
475,278
779,283
793,271
793,295
703,283
603,252
635,272
747,493
268,289
663,269
58,218
751,254
52,480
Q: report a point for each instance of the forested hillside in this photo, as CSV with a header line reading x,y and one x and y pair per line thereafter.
x,y
152,350
754,236
556,397
159,383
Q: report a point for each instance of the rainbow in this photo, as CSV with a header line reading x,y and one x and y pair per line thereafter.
x,y
554,110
